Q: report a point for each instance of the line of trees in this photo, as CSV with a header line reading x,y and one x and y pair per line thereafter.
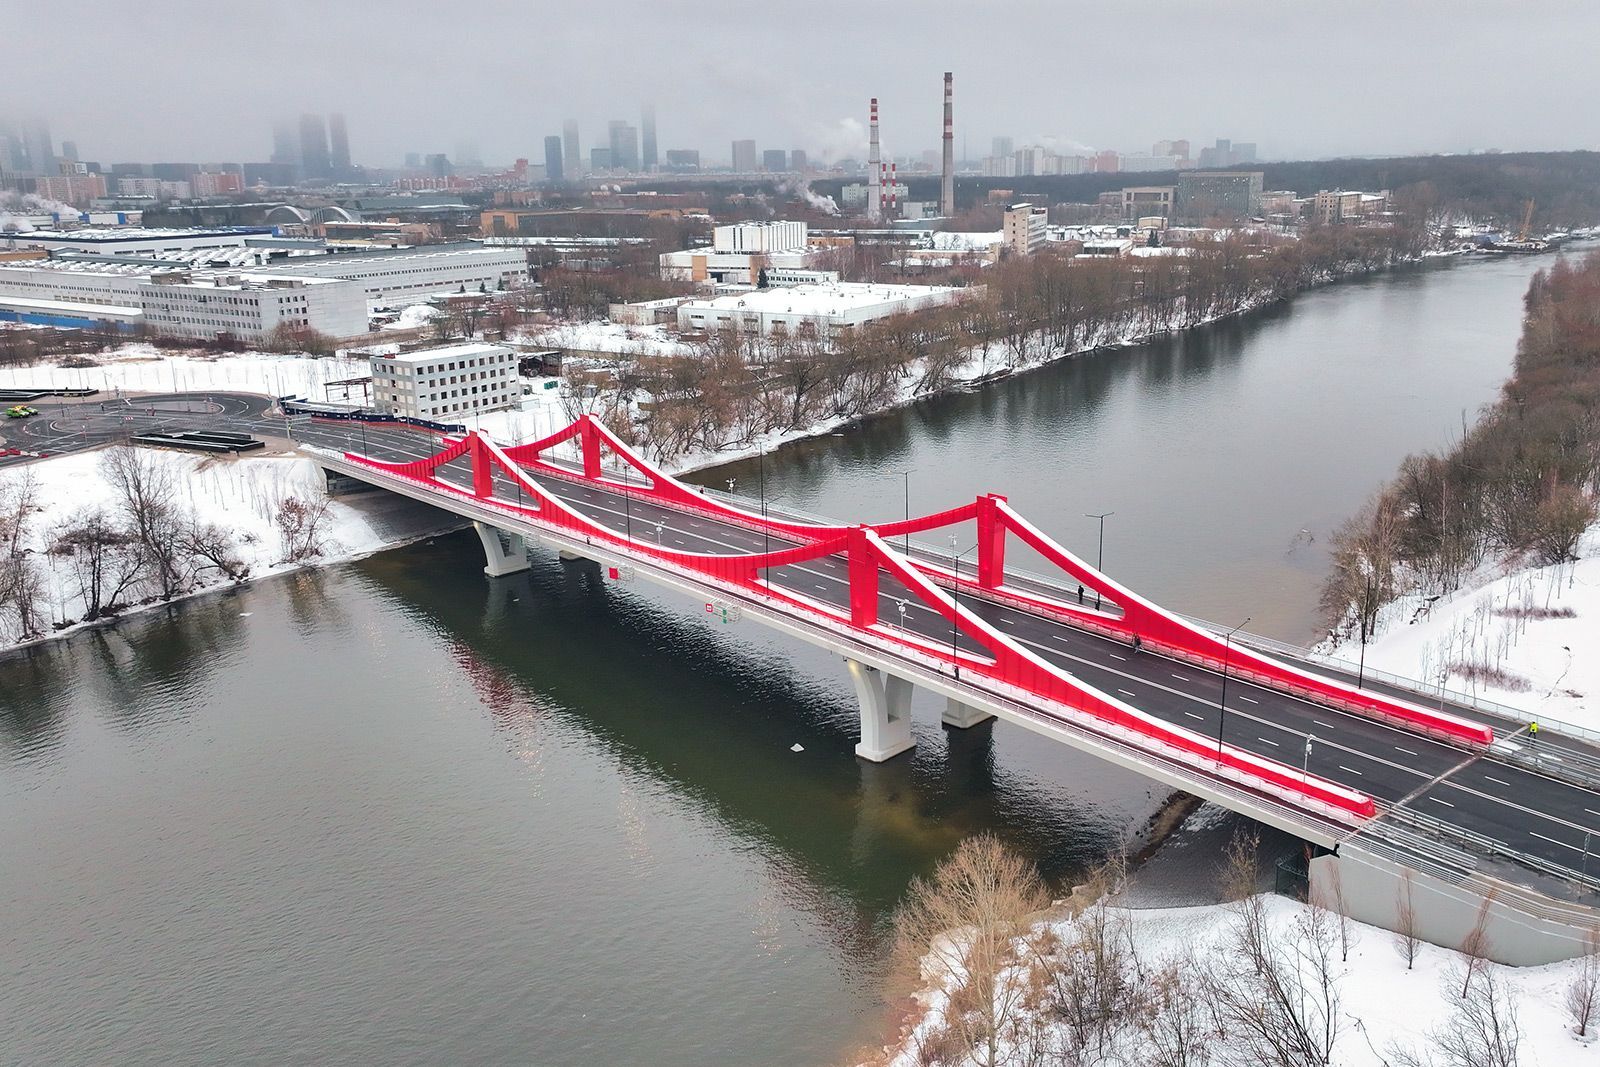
x,y
1521,483
734,387
1016,990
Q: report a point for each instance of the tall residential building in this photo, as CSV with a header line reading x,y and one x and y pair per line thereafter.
x,y
599,160
1223,194
1002,147
775,161
648,125
744,156
553,171
569,147
69,151
798,161
314,158
1024,228
339,147
624,140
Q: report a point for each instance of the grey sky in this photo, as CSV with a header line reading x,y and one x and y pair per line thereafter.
x,y
202,81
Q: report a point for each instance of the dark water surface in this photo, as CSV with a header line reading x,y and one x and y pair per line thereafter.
x,y
393,812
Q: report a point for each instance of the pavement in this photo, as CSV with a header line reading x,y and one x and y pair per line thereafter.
x,y
1518,808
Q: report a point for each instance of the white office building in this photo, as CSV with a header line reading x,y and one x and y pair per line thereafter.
x,y
828,309
200,305
396,277
446,384
739,252
135,240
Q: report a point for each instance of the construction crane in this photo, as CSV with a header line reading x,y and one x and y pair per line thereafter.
x,y
1527,220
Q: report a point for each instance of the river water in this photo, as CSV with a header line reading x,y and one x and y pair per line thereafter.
x,y
394,812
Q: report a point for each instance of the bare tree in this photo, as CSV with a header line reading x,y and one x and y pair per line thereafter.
x,y
145,489
1177,1026
1582,995
214,548
1406,940
1240,865
1483,1030
961,928
21,588
1475,946
1332,898
300,523
1278,998
105,560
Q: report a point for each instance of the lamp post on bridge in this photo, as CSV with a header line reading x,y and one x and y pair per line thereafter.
x,y
1305,765
955,594
906,476
1222,703
1100,556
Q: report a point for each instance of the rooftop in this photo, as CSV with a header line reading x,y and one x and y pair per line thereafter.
x,y
114,234
461,351
828,299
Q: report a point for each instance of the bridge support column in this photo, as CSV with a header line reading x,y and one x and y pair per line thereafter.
x,y
885,712
962,716
503,558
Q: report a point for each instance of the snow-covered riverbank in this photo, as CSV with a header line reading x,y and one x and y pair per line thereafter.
x,y
1524,637
1378,1006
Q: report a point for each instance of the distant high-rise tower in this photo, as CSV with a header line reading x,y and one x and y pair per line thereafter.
x,y
569,147
40,148
69,151
314,160
624,144
798,162
947,182
648,128
285,144
744,156
553,170
1003,147
339,144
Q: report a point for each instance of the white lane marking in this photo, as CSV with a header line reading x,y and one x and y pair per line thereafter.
x,y
1446,803
1497,781
1192,715
1007,622
1125,693
1352,770
1553,841
1180,678
1319,722
1122,658
1269,741
1247,700
1407,751
1591,811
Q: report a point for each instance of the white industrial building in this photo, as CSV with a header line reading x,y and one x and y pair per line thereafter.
x,y
135,240
828,309
184,303
395,277
739,252
445,384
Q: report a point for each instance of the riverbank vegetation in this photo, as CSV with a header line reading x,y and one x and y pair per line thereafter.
x,y
728,390
1520,486
1260,979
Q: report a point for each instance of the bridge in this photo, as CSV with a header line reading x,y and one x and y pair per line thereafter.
x,y
1459,797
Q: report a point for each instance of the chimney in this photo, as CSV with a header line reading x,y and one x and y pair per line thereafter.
x,y
874,175
947,183
894,200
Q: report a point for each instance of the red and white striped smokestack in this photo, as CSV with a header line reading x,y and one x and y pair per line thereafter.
x,y
874,171
894,199
947,183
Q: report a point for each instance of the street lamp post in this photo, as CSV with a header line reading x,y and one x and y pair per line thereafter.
x,y
766,533
906,475
627,506
1100,556
955,596
1222,703
1305,766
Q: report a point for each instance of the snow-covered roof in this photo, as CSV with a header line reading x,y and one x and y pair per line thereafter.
x,y
462,351
827,299
959,241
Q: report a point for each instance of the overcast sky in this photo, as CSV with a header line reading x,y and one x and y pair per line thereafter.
x,y
202,81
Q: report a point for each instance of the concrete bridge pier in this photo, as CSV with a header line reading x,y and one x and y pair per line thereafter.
x,y
962,716
507,556
885,712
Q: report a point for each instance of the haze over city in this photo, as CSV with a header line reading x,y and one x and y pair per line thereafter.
x,y
197,80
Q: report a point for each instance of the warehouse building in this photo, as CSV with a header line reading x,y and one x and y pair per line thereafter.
x,y
828,309
396,277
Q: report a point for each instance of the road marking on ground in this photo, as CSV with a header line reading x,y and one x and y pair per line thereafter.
x,y
1192,715
1446,803
1269,741
1553,841
1497,781
1319,722
1591,811
1007,622
1113,655
1407,751
1180,677
1352,770
1125,693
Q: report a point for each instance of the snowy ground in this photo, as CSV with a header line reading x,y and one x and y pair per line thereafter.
x,y
143,368
240,494
1526,639
1381,1003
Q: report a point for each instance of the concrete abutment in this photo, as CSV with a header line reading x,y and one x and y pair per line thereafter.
x,y
505,553
885,712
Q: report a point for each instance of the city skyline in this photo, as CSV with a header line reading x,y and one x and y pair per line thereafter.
x,y
807,87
